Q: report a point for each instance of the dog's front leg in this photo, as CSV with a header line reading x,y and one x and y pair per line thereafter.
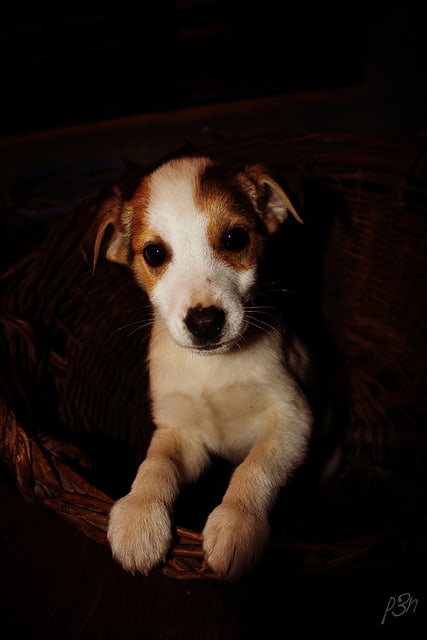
x,y
139,529
237,531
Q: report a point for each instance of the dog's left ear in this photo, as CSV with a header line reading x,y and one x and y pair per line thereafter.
x,y
272,203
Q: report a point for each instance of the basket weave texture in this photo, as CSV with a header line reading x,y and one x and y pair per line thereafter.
x,y
73,349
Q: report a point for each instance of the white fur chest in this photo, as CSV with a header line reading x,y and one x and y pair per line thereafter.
x,y
229,400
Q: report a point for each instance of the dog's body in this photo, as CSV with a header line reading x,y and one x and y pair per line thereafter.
x,y
194,237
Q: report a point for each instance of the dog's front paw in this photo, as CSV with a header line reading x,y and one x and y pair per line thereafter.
x,y
233,540
139,533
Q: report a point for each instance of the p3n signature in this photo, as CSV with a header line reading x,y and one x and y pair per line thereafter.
x,y
400,606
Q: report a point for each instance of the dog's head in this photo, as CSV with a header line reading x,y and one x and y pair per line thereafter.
x,y
193,234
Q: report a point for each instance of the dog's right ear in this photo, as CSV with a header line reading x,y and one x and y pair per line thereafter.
x,y
111,213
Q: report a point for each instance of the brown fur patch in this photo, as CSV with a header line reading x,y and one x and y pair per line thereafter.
x,y
142,235
227,206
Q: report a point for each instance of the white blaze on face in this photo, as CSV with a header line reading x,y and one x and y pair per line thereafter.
x,y
194,275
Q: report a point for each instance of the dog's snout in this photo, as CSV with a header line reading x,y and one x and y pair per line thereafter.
x,y
205,323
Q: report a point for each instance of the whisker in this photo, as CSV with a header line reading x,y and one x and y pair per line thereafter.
x,y
273,286
132,324
137,325
266,310
261,324
140,328
269,310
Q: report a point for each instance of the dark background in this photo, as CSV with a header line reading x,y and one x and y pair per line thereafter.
x,y
70,62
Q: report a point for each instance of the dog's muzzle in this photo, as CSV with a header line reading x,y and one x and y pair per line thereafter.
x,y
205,324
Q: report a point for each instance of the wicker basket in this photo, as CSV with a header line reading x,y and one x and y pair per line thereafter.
x,y
73,383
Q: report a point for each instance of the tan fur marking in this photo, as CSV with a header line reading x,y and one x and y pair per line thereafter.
x,y
142,235
145,275
226,207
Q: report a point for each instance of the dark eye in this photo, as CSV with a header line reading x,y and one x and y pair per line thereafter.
x,y
235,239
154,254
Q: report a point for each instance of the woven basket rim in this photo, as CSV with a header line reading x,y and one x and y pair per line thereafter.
x,y
372,175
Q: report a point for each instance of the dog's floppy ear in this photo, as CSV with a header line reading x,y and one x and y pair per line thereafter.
x,y
111,212
272,203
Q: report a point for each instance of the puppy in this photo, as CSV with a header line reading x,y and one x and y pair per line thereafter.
x,y
221,380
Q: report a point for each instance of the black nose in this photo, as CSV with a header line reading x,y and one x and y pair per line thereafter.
x,y
205,323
